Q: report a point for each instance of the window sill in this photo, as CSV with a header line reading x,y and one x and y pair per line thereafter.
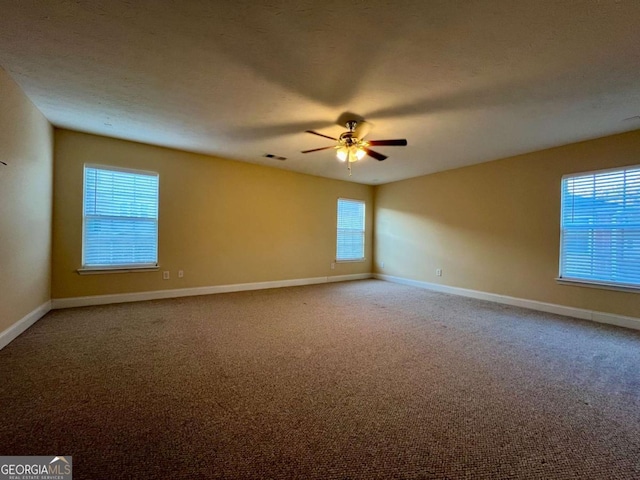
x,y
103,270
600,285
356,260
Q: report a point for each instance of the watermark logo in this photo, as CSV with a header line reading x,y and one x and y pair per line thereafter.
x,y
36,468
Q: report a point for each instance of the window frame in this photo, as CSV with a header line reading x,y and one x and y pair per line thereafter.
x,y
125,267
585,282
364,230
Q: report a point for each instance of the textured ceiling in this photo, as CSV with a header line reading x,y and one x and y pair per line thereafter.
x,y
463,81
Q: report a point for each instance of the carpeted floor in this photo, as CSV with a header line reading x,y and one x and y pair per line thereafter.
x,y
358,380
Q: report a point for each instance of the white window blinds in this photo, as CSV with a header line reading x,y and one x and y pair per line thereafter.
x,y
120,225
600,227
350,230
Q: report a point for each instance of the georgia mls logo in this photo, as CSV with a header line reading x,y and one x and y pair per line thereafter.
x,y
36,468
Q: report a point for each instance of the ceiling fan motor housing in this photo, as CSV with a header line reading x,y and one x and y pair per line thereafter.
x,y
348,139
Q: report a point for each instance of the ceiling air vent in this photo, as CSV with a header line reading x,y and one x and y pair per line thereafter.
x,y
275,157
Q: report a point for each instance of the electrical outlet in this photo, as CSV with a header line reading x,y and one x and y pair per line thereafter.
x,y
165,275
438,272
381,264
180,273
333,265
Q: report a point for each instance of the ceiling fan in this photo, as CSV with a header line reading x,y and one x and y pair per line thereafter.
x,y
351,146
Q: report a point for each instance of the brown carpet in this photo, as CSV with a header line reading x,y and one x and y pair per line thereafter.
x,y
358,380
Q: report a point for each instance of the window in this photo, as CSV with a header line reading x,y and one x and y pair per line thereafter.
x,y
600,227
120,222
350,230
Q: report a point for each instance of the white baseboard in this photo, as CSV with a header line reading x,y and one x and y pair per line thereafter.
x,y
11,333
189,292
600,317
348,278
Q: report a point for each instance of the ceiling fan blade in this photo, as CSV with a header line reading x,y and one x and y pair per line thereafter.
x,y
321,135
376,155
389,143
317,149
362,129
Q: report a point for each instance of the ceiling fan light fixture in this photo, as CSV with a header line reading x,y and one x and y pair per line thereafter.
x,y
351,154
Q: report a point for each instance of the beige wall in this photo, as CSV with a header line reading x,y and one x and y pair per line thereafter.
x,y
222,222
26,144
494,227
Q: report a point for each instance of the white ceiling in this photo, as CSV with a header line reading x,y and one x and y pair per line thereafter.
x,y
464,81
